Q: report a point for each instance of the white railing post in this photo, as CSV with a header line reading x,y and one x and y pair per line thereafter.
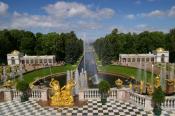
x,y
43,94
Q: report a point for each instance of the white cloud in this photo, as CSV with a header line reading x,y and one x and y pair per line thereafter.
x,y
172,11
3,8
159,13
156,13
130,16
72,9
60,17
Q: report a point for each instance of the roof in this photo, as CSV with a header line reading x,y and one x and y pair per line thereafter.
x,y
159,50
15,52
42,57
136,55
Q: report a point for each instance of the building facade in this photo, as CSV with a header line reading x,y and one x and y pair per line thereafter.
x,y
158,56
16,58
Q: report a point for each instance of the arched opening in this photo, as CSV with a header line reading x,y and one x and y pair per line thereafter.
x,y
13,60
163,58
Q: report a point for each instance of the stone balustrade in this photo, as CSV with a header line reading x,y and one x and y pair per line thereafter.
x,y
169,103
13,94
142,101
91,94
113,93
94,94
137,99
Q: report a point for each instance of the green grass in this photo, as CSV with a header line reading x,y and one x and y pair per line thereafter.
x,y
32,76
128,71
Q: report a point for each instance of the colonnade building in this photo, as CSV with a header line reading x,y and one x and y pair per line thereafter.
x,y
16,58
157,56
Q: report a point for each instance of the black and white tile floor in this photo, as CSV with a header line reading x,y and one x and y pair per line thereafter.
x,y
93,108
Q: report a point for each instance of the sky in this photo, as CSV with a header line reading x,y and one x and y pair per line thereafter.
x,y
89,19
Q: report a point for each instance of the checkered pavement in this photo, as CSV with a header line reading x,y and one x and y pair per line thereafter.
x,y
93,108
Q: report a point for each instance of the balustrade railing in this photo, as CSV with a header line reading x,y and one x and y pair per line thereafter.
x,y
137,99
34,94
94,93
169,102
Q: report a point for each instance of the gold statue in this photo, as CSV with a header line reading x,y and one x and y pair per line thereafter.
x,y
66,93
149,89
157,82
136,88
130,86
63,97
55,99
119,83
8,84
141,86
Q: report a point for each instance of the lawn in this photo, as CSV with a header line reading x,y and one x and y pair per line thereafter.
x,y
32,76
123,70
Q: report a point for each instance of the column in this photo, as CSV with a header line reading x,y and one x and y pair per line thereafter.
x,y
126,59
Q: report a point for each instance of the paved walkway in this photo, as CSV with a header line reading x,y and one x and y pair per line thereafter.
x,y
93,108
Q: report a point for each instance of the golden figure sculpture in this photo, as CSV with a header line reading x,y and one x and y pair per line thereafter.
x,y
149,89
64,96
136,88
130,86
157,82
141,86
119,83
66,93
8,84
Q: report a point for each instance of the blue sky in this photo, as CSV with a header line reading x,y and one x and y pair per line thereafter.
x,y
89,18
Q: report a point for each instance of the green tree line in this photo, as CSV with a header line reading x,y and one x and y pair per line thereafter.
x,y
109,47
66,46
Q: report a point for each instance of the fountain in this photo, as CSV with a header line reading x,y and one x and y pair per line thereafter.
x,y
139,71
68,76
145,78
83,80
76,78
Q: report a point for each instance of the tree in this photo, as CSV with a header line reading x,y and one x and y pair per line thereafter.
x,y
24,88
158,97
104,88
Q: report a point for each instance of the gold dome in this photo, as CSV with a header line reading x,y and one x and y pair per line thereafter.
x,y
15,52
160,50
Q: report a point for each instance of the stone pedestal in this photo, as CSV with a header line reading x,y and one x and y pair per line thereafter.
x,y
121,94
7,95
148,106
44,95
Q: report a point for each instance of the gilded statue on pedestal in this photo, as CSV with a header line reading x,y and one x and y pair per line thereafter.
x,y
157,82
8,84
149,89
141,86
130,86
119,83
63,96
55,89
66,93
